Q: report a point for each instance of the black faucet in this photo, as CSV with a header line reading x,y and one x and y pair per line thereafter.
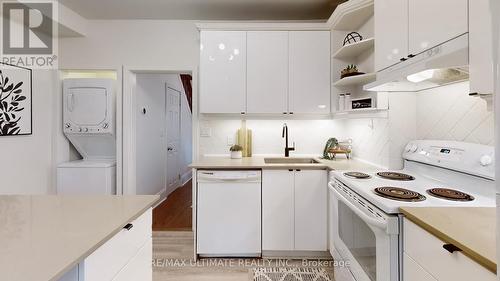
x,y
285,135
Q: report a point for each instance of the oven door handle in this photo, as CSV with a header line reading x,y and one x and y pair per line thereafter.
x,y
366,218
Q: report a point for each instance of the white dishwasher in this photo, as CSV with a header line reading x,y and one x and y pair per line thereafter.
x,y
229,213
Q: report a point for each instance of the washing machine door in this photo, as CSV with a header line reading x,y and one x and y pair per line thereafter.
x,y
87,105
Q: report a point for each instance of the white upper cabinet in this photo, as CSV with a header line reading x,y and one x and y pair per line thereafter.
x,y
391,30
309,69
223,72
480,48
267,72
405,28
433,22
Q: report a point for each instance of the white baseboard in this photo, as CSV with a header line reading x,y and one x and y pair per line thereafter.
x,y
186,177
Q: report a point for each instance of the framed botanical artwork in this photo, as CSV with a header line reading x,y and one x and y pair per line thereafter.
x,y
15,100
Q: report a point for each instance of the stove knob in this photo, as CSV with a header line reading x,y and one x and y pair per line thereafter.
x,y
413,148
105,125
79,129
485,160
86,129
408,147
67,125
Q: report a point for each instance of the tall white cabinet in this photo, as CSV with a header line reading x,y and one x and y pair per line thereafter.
x,y
267,72
294,210
309,70
223,67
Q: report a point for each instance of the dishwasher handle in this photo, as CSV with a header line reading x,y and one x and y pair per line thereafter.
x,y
223,176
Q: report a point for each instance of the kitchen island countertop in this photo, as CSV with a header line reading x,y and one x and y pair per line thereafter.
x,y
44,236
472,229
257,162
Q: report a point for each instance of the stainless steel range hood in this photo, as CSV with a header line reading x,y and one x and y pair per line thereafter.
x,y
439,66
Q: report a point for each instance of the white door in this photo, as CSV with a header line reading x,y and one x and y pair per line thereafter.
x,y
309,72
277,210
267,72
311,198
151,141
223,72
434,22
391,31
173,137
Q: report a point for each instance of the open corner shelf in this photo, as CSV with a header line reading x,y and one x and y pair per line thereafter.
x,y
355,49
362,113
351,15
357,80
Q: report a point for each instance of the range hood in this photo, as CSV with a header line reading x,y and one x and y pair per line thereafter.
x,y
442,65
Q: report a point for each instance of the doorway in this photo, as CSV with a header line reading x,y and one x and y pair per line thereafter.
x,y
163,147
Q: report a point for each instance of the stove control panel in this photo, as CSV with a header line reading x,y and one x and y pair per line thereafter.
x,y
475,159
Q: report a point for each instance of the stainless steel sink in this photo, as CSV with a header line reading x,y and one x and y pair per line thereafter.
x,y
290,161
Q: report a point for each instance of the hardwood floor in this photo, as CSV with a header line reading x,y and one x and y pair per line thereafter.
x,y
173,260
175,212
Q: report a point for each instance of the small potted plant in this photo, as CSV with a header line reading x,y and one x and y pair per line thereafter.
x,y
236,151
350,70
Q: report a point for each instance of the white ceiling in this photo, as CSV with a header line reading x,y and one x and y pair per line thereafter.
x,y
204,9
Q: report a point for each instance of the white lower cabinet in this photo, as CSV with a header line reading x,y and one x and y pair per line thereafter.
x,y
425,259
294,210
125,256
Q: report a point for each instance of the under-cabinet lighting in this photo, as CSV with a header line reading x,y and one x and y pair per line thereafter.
x,y
421,76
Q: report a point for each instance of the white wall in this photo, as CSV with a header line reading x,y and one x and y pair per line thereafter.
x,y
133,43
151,150
27,161
309,136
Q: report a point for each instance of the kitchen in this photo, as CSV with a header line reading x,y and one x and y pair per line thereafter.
x,y
400,92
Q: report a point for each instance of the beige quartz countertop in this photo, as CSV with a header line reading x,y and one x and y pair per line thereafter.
x,y
257,162
471,229
43,236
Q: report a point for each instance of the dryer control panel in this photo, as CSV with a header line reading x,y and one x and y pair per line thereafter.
x,y
88,106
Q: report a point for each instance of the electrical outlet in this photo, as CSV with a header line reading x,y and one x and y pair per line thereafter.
x,y
205,132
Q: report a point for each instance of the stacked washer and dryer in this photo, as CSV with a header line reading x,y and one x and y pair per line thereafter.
x,y
89,124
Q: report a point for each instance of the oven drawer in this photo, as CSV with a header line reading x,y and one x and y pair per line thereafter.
x,y
428,252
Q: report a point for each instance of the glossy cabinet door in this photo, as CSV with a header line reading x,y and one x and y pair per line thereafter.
x,y
267,72
480,48
311,196
412,271
277,210
391,32
434,22
309,72
223,72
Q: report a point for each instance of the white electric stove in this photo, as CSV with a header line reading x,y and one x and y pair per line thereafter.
x,y
366,222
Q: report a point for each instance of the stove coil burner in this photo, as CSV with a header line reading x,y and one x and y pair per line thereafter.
x,y
357,175
450,194
399,194
395,176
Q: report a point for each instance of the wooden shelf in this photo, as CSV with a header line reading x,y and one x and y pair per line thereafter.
x,y
357,80
351,15
355,49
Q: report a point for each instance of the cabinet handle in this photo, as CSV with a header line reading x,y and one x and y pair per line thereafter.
x,y
402,59
451,248
411,55
290,112
243,113
128,226
473,94
290,170
298,170
285,113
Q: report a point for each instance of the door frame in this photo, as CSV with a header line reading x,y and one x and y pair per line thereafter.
x,y
125,115
167,86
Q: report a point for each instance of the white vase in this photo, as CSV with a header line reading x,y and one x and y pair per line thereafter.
x,y
236,155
